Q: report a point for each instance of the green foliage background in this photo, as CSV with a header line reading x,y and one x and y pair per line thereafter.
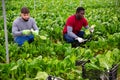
x,y
53,55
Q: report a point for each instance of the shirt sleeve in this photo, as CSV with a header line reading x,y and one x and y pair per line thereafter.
x,y
70,33
15,30
87,26
85,23
69,22
34,25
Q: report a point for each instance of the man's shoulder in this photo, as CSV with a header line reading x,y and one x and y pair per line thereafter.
x,y
31,18
17,20
84,19
72,17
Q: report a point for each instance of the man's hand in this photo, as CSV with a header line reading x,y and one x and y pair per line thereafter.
x,y
36,32
26,32
91,30
80,40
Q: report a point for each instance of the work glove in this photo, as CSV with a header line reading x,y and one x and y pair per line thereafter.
x,y
91,30
26,32
80,40
34,32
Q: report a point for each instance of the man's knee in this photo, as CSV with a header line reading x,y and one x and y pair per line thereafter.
x,y
20,43
68,39
81,34
20,40
30,38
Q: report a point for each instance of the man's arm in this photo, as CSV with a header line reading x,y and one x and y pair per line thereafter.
x,y
34,30
15,30
70,33
35,26
87,26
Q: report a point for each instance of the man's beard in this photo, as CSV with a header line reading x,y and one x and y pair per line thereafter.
x,y
25,19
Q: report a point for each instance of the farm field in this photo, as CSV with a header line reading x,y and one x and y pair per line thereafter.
x,y
49,54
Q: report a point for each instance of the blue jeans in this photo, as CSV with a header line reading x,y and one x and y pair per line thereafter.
x,y
69,39
21,39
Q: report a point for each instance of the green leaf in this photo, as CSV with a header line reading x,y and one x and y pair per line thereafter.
x,y
87,31
41,75
14,68
43,37
73,58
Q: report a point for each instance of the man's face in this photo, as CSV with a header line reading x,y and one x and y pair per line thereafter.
x,y
80,14
25,16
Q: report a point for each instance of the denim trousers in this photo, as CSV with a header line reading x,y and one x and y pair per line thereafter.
x,y
69,39
21,39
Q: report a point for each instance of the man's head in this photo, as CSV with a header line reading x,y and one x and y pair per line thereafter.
x,y
25,13
80,12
